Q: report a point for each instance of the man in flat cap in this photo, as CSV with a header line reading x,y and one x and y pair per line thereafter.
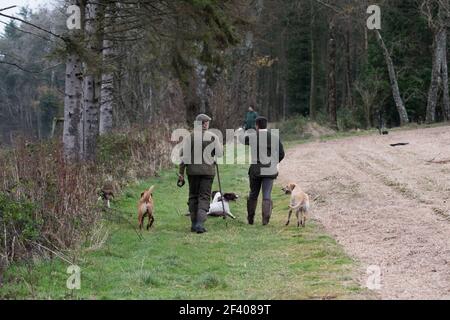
x,y
200,168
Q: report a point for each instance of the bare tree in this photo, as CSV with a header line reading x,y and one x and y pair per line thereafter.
x,y
437,13
369,91
107,84
401,109
332,95
91,84
73,101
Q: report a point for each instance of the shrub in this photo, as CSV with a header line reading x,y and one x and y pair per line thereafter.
x,y
143,150
294,128
19,225
48,203
209,281
348,120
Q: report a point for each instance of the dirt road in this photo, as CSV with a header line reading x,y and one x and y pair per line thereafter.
x,y
388,206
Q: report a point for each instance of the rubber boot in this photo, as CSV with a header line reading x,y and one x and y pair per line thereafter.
x,y
251,210
201,218
266,211
193,208
193,222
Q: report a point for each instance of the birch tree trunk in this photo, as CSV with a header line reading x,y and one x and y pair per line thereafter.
x,y
107,84
438,44
72,107
446,98
73,102
91,87
404,119
312,96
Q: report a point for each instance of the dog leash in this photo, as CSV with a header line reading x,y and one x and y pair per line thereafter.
x,y
118,213
221,193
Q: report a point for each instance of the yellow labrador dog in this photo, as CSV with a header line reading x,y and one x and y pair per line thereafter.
x,y
299,203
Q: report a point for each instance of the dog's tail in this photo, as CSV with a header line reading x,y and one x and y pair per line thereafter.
x,y
152,188
303,205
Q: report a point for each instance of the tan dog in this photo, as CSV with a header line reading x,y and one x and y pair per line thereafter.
x,y
299,203
145,208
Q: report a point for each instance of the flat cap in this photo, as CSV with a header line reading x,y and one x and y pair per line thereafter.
x,y
203,118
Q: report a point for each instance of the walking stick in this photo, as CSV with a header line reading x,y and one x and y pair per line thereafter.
x,y
221,192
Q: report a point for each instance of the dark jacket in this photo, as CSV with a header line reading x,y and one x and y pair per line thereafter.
x,y
206,167
250,120
260,167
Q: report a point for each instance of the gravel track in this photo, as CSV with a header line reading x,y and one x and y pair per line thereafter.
x,y
387,206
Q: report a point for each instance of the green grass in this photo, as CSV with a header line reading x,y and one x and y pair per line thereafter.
x,y
232,261
293,136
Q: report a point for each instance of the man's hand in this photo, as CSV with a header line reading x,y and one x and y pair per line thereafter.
x,y
181,181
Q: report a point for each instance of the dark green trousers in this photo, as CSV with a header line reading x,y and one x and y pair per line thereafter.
x,y
199,197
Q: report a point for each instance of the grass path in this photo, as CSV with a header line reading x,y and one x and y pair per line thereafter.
x,y
232,261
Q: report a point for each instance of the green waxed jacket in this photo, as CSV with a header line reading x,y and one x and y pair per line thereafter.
x,y
250,120
204,167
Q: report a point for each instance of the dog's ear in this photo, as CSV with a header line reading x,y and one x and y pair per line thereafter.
x,y
292,187
230,196
235,196
142,194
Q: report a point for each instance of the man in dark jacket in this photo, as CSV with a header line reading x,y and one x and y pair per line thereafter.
x,y
200,169
267,152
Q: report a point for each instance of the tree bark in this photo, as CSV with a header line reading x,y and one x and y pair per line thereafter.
x,y
312,96
73,102
107,85
72,107
91,88
404,119
446,98
433,92
348,70
332,92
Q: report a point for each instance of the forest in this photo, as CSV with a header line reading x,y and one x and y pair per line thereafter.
x,y
91,90
157,59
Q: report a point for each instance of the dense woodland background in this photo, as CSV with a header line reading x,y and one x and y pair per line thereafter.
x,y
156,60
110,93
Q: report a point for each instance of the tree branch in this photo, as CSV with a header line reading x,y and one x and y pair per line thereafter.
x,y
335,9
27,32
34,26
26,70
7,8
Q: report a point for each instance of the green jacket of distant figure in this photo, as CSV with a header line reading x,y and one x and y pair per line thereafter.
x,y
250,120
